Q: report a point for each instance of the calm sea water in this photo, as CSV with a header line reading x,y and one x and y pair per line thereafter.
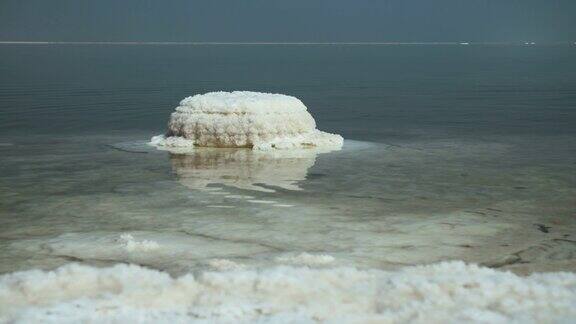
x,y
453,152
364,92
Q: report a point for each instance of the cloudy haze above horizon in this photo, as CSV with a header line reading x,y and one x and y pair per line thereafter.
x,y
289,21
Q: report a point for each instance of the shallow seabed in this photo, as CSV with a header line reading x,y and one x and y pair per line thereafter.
x,y
101,200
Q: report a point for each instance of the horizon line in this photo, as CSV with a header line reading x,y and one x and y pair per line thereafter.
x,y
272,43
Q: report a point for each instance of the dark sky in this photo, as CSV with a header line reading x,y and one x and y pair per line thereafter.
x,y
288,20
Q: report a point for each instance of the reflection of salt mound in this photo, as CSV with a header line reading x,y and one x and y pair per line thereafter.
x,y
242,168
441,293
244,119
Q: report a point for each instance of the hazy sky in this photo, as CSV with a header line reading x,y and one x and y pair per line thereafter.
x,y
288,20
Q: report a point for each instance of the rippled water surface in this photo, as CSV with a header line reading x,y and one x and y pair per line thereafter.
x,y
452,152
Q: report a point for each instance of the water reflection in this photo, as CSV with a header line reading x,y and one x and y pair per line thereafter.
x,y
244,168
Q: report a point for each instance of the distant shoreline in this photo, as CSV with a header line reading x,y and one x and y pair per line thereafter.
x,y
283,43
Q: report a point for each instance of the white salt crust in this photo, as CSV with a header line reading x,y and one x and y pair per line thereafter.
x,y
131,245
450,292
243,119
306,259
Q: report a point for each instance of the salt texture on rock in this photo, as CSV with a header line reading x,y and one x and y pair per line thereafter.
x,y
243,119
450,292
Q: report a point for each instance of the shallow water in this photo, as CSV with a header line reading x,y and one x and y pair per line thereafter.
x,y
452,153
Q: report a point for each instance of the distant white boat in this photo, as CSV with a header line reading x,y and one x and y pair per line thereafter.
x,y
464,43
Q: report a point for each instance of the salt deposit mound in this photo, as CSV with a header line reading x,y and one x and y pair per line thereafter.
x,y
244,119
442,293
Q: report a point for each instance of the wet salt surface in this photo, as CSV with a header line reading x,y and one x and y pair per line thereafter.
x,y
501,202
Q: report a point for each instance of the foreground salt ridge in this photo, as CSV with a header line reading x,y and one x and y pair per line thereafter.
x,y
243,119
443,292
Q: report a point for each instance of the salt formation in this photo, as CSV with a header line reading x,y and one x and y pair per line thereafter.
x,y
244,119
450,292
131,245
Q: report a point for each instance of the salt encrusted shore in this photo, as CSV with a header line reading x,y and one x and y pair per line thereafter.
x,y
449,292
244,119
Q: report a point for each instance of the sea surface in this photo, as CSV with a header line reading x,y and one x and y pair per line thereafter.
x,y
452,152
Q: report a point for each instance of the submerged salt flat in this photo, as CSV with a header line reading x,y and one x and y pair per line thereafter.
x,y
370,205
